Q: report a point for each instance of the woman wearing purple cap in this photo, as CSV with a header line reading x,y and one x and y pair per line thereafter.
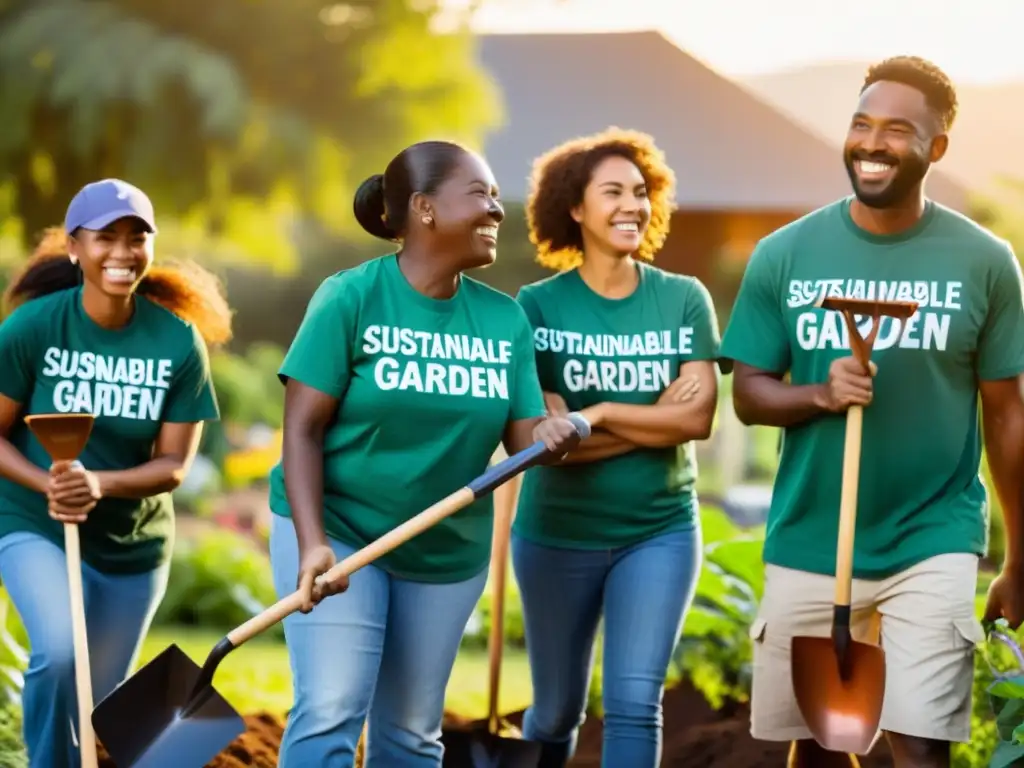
x,y
96,328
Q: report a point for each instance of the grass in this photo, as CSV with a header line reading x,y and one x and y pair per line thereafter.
x,y
257,676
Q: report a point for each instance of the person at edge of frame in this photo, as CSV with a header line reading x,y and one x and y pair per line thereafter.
x,y
922,520
613,530
403,378
97,328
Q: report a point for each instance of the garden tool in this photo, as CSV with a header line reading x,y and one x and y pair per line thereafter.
x,y
63,436
169,715
494,743
840,682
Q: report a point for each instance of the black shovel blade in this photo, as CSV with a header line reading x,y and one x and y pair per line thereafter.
x,y
479,748
140,722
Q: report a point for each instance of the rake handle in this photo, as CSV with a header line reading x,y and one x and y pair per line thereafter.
x,y
504,510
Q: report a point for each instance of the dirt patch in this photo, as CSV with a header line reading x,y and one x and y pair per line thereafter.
x,y
696,736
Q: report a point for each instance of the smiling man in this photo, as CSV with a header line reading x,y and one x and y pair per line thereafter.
x,y
922,513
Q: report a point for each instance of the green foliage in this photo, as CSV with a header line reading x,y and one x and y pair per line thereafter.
x,y
715,650
218,580
479,626
12,749
13,652
248,389
999,691
237,116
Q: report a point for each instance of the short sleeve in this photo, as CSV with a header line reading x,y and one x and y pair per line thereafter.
x,y
18,354
192,397
701,321
320,355
527,397
1001,346
756,333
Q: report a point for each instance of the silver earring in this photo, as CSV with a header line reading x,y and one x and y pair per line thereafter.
x,y
427,220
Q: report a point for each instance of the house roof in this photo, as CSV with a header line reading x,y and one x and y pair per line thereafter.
x,y
729,149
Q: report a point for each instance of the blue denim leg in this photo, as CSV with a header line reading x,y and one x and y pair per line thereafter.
x,y
424,630
118,610
335,652
561,591
647,592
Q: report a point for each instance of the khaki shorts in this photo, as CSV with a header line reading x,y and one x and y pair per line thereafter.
x,y
924,619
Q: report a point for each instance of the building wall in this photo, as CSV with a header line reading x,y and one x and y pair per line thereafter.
x,y
713,246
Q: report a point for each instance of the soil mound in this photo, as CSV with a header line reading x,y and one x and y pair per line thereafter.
x,y
696,736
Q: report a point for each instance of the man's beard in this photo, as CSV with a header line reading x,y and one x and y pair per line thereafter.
x,y
908,174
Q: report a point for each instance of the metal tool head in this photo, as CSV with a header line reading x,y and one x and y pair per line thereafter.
x,y
62,435
140,723
842,714
475,746
901,310
861,346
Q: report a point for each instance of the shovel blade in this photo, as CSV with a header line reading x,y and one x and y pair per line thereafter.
x,y
479,748
842,715
140,723
62,435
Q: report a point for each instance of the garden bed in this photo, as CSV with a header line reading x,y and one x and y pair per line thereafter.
x,y
696,736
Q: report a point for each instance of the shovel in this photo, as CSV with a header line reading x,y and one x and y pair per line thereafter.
x,y
169,715
63,436
494,743
840,682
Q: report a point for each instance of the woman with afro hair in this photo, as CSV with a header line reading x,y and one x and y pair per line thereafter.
x,y
95,327
613,530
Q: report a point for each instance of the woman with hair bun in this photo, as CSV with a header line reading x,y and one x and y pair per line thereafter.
x,y
402,380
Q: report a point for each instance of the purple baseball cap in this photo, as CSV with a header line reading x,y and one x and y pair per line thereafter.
x,y
98,204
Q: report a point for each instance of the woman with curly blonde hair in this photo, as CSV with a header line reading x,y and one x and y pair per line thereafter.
x,y
613,530
96,328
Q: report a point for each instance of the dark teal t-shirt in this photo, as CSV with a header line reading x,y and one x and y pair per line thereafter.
x,y
426,389
55,359
920,493
591,349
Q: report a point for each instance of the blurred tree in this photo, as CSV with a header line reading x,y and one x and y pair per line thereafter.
x,y
1005,216
241,117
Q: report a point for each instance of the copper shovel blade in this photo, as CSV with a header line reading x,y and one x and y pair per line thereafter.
x,y
62,435
842,715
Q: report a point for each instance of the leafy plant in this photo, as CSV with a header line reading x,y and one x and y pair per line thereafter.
x,y
1004,691
219,580
13,652
715,651
12,748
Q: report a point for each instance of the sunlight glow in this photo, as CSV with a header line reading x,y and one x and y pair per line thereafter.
x,y
976,42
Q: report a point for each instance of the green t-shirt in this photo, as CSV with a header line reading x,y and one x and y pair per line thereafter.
x,y
55,359
427,387
591,349
920,494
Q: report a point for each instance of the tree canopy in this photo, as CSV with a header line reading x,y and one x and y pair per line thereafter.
x,y
244,119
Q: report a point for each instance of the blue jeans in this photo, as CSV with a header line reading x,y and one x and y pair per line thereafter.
x,y
643,592
382,651
118,612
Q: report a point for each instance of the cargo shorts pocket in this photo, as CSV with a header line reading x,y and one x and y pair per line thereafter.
x,y
968,634
757,630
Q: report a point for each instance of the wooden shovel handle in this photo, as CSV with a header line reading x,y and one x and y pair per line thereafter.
x,y
505,498
83,673
494,477
363,557
848,504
